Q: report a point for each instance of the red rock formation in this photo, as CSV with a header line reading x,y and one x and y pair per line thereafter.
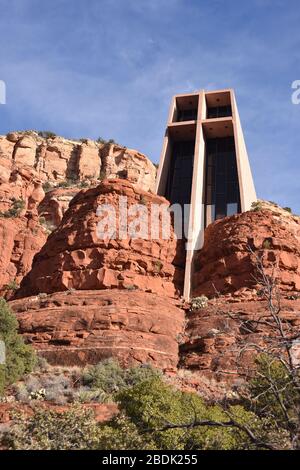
x,y
121,162
80,327
23,185
115,309
20,239
225,264
55,204
86,298
27,161
75,257
219,339
21,235
56,159
227,272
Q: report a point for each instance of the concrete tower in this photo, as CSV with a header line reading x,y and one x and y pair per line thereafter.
x,y
204,163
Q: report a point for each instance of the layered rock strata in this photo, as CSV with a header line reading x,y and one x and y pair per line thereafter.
x,y
80,327
56,159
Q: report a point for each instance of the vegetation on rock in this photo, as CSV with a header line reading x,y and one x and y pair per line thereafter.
x,y
17,206
20,358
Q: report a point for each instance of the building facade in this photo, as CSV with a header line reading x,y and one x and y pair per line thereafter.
x,y
204,164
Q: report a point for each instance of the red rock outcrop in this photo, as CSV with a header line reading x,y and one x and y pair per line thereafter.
x,y
224,264
20,239
54,205
74,257
111,305
23,185
219,339
80,327
56,159
121,162
21,234
29,163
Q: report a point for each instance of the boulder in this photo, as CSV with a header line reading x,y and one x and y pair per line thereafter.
x,y
74,256
227,262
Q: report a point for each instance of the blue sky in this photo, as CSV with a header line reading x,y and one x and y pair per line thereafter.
x,y
90,68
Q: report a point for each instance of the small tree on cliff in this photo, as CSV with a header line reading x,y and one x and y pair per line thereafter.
x,y
19,357
273,390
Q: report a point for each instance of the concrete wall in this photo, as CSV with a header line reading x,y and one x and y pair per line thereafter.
x,y
196,222
247,189
164,162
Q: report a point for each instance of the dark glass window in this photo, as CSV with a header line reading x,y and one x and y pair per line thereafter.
x,y
219,111
222,187
187,115
181,173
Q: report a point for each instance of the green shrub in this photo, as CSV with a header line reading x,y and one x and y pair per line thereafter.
x,y
272,390
140,374
47,186
152,404
49,430
256,206
17,206
122,434
130,287
74,429
49,227
102,141
87,396
12,285
47,134
143,200
288,209
158,265
20,358
102,174
84,184
198,303
267,244
145,409
66,184
109,377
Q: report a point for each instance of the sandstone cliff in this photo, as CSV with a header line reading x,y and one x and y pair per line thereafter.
x,y
218,337
74,257
39,176
81,327
56,159
119,294
84,298
151,272
226,263
20,239
221,339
